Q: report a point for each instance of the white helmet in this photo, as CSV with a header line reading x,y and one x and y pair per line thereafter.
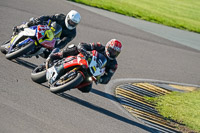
x,y
72,19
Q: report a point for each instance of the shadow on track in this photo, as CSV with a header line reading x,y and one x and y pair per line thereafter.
x,y
103,94
25,63
105,112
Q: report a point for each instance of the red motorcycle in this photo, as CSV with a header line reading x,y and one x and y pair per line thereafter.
x,y
71,72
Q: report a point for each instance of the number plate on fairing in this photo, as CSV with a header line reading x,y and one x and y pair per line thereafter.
x,y
51,74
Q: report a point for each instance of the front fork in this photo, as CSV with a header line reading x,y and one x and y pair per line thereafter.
x,y
85,82
68,75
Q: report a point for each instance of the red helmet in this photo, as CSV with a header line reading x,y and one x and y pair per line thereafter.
x,y
113,48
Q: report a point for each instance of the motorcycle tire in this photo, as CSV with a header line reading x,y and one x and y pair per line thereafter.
x,y
2,48
20,51
38,75
67,86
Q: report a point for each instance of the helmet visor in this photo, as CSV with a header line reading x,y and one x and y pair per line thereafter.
x,y
71,23
113,53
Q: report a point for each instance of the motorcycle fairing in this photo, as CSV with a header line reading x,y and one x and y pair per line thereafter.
x,y
40,34
94,69
94,66
26,32
49,44
40,31
24,42
75,62
51,74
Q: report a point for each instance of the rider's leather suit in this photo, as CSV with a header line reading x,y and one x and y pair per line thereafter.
x,y
111,65
66,35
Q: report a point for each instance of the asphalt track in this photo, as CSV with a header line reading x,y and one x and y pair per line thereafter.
x,y
29,107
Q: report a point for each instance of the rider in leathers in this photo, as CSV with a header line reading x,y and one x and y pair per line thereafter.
x,y
67,22
110,51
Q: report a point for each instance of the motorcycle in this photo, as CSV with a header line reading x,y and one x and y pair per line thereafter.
x,y
32,41
71,72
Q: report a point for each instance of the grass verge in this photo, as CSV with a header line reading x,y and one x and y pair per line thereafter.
x,y
182,14
181,107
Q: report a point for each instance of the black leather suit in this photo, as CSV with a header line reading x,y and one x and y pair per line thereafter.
x,y
66,36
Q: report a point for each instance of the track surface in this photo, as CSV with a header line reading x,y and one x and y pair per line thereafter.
x,y
29,107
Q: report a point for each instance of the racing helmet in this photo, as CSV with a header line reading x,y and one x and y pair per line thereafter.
x,y
72,19
113,48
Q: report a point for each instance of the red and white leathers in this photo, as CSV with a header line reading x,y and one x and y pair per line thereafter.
x,y
111,65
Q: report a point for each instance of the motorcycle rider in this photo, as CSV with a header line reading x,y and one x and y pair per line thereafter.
x,y
110,51
67,22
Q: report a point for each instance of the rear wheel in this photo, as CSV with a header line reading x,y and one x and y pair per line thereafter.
x,y
62,85
38,75
20,51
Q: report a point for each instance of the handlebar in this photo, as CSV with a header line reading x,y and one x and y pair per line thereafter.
x,y
86,53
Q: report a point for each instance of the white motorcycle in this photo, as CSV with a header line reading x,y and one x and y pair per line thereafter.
x,y
32,41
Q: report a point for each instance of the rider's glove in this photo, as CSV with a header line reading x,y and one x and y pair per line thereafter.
x,y
84,52
81,49
35,21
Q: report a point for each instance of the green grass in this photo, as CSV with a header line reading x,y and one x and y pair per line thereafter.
x,y
182,107
182,14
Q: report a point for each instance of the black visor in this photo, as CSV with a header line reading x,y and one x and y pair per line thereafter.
x,y
113,53
71,23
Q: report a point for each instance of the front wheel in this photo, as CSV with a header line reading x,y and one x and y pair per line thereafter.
x,y
67,84
3,50
3,47
38,75
20,51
